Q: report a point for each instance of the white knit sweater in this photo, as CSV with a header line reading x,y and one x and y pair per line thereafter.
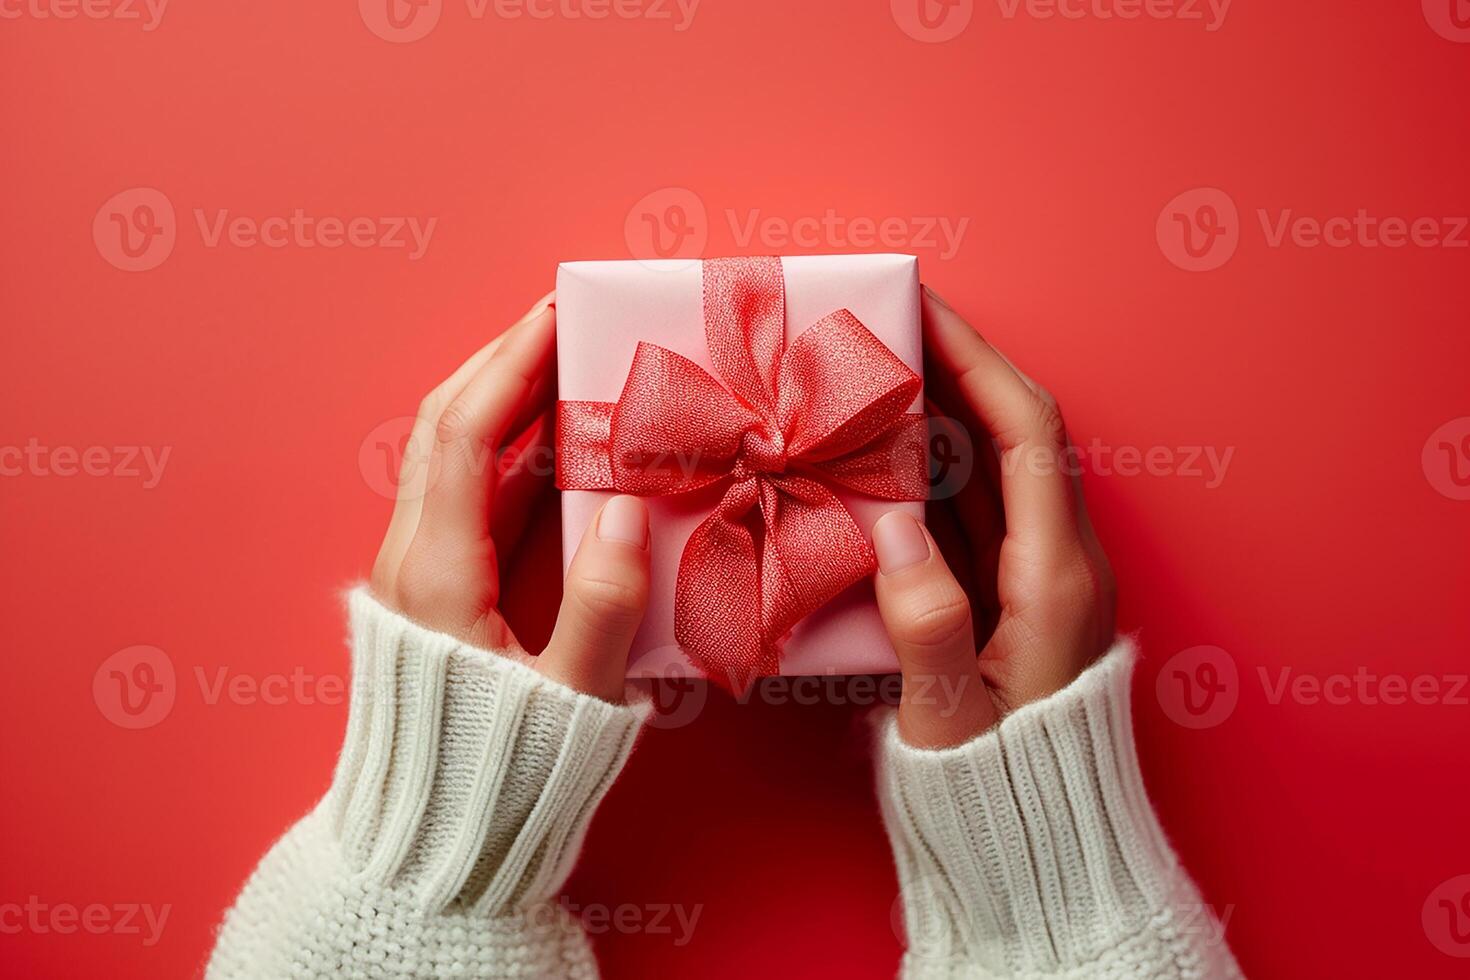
x,y
467,780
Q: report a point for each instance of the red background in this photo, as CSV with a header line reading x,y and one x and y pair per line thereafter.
x,y
1322,829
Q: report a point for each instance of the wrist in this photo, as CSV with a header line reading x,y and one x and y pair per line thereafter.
x,y
467,777
1032,847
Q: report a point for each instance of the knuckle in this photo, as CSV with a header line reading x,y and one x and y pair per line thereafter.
x,y
431,581
453,424
412,585
1050,425
612,603
933,619
1075,587
416,584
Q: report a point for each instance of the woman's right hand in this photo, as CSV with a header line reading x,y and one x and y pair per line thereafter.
x,y
1042,588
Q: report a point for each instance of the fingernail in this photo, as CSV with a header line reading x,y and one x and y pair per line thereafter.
x,y
899,541
541,306
936,297
624,519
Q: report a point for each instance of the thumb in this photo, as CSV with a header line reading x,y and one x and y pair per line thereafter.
x,y
603,600
927,614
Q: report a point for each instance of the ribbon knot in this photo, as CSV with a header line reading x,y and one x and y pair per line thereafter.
x,y
762,450
786,426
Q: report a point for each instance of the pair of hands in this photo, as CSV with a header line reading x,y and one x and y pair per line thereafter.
x,y
1036,600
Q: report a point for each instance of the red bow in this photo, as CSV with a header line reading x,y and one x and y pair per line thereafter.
x,y
831,409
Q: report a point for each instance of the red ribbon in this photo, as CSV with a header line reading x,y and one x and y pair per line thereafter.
x,y
787,425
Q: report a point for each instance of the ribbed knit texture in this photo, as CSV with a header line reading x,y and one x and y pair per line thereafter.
x,y
461,797
1032,850
467,780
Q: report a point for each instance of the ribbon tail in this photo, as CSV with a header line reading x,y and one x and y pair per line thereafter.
x,y
717,597
813,550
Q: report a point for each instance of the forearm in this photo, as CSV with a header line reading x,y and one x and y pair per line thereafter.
x,y
1032,851
461,798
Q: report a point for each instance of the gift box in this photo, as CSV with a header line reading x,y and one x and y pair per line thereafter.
x,y
768,411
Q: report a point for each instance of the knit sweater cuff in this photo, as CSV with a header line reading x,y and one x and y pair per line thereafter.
x,y
466,779
1031,849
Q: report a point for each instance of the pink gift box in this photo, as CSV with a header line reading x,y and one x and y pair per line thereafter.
x,y
604,309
